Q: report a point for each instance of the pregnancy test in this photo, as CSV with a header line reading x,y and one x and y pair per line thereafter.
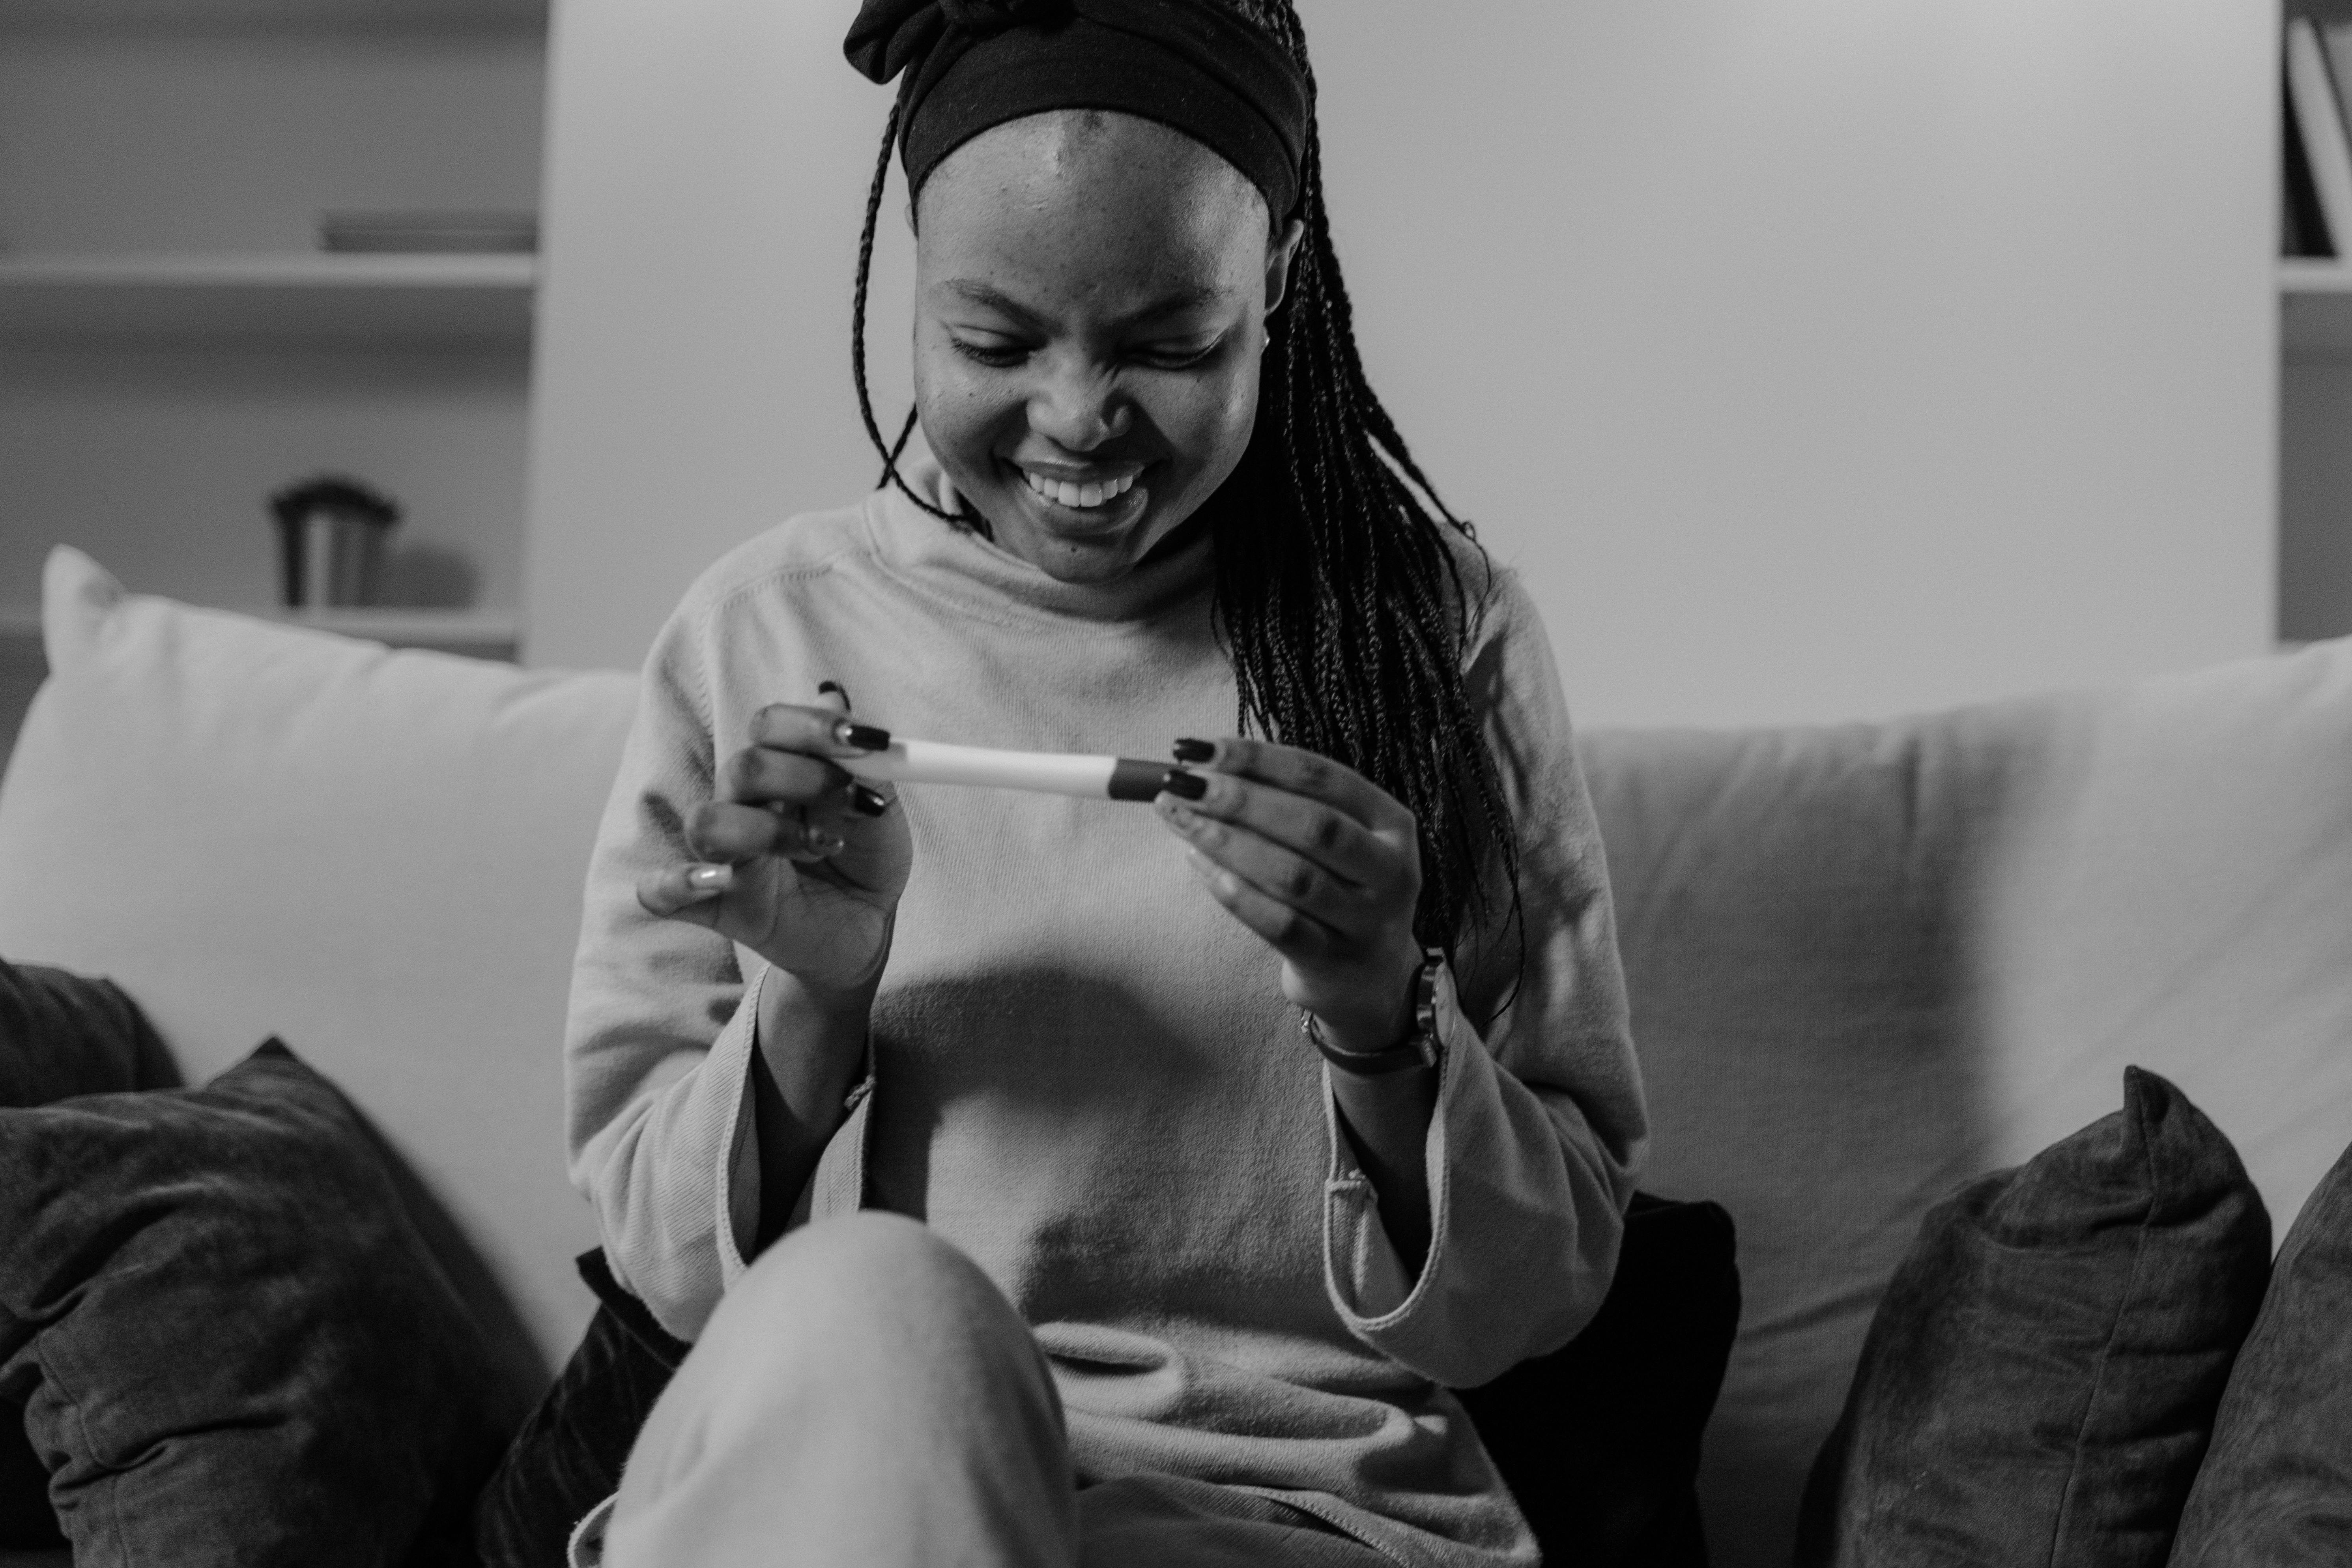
x,y
1050,773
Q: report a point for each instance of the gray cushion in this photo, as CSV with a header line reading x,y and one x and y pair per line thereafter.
x,y
2040,1377
63,1034
233,1344
2275,1490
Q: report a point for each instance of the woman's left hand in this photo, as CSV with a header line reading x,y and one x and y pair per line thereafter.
x,y
1322,864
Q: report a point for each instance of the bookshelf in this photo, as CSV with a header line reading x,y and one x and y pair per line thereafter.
x,y
2314,467
175,344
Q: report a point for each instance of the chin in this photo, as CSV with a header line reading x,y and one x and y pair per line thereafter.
x,y
1081,567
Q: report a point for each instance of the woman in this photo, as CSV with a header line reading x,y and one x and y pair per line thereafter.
x,y
1238,1130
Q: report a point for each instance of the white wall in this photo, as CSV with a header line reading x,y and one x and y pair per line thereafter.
x,y
1813,358
1819,358
707,170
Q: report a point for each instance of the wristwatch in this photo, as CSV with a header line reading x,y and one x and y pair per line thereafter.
x,y
1418,1049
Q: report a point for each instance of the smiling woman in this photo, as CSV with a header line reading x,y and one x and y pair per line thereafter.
x,y
1091,298
1237,1133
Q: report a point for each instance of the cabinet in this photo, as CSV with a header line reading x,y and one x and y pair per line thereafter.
x,y
2314,499
175,345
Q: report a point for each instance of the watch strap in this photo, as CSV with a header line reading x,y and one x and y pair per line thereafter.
x,y
1418,1049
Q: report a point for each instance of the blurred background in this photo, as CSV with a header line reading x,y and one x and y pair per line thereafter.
x,y
1812,359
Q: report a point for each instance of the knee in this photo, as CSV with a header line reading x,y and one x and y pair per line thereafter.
x,y
866,1281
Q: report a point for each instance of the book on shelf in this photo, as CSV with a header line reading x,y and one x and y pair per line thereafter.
x,y
2315,115
2303,227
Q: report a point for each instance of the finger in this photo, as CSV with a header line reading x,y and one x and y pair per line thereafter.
x,y
1312,830
723,831
1280,874
866,799
1300,772
1295,936
685,893
823,731
763,775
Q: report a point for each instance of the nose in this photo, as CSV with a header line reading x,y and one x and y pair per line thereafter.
x,y
1079,407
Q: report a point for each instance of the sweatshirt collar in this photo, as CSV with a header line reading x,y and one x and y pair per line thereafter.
x,y
958,564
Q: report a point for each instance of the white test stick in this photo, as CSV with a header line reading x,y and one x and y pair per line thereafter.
x,y
1050,773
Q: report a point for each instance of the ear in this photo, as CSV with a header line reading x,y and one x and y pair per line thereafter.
x,y
1279,252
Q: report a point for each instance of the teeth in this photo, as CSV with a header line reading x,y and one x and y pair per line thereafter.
x,y
1086,495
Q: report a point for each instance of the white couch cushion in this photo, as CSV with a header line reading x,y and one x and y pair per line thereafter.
x,y
257,829
1868,961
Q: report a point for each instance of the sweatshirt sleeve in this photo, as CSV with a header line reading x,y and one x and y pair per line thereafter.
x,y
658,1043
1539,1126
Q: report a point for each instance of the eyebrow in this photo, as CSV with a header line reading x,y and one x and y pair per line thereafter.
x,y
1190,297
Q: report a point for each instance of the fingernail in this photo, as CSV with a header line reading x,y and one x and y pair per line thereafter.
x,y
865,737
867,801
1189,750
711,878
1181,815
837,690
1184,785
821,840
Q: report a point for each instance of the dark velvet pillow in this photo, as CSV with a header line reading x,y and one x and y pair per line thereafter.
x,y
2041,1377
2276,1489
61,1034
231,1343
1599,1441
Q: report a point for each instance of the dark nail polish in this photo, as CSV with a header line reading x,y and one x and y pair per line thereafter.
x,y
867,801
1184,785
837,690
1189,750
865,737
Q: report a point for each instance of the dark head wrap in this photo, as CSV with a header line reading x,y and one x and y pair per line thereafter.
x,y
1192,65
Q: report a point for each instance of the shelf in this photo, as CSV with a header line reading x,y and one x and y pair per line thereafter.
x,y
296,298
488,634
2316,310
204,15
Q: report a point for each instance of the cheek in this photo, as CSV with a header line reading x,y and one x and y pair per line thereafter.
x,y
964,410
1215,419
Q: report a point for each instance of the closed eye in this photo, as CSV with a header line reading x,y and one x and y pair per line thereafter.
x,y
999,355
1179,356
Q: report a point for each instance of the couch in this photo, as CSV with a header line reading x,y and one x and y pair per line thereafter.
x,y
1867,961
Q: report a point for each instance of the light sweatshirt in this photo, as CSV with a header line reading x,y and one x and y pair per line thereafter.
x,y
1083,1070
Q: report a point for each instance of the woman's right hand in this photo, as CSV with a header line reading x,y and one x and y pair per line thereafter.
x,y
798,864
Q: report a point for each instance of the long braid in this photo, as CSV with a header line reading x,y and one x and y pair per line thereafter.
x,y
890,450
1338,596
1329,548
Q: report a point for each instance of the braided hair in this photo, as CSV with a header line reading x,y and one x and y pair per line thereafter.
x,y
1339,598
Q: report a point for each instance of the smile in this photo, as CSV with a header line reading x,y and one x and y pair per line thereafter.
x,y
1093,492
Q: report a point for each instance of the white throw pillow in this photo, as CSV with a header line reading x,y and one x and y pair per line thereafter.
x,y
378,856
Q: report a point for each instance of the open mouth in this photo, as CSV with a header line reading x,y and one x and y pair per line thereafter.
x,y
1101,496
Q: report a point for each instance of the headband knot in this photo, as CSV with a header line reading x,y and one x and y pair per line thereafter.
x,y
1192,64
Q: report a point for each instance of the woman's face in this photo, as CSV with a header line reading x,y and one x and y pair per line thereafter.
x,y
1090,302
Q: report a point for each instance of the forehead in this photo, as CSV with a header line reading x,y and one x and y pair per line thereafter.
x,y
1084,204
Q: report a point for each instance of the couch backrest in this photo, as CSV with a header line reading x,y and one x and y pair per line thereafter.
x,y
1869,962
